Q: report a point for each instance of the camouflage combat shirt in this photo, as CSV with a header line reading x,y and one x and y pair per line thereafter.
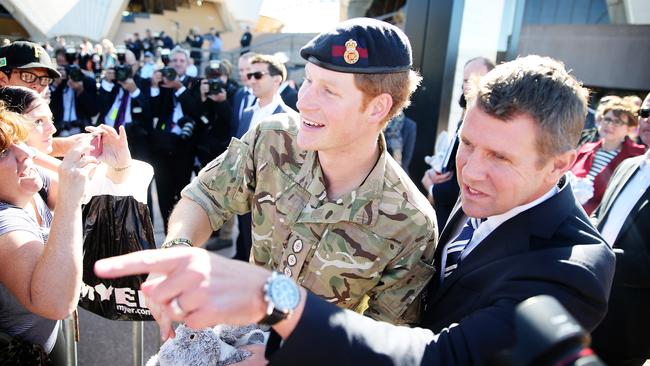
x,y
376,240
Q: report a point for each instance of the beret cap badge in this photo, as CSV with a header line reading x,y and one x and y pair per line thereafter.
x,y
351,55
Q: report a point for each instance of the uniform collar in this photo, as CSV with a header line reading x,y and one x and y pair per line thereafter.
x,y
360,205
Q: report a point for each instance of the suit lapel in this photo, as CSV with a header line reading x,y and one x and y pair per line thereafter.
x,y
618,185
640,205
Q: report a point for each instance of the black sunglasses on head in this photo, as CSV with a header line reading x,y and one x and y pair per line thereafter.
x,y
644,112
257,75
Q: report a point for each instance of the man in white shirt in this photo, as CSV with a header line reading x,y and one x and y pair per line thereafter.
x,y
623,218
265,77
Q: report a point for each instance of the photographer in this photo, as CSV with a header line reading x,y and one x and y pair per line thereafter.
x,y
216,129
74,95
176,102
122,101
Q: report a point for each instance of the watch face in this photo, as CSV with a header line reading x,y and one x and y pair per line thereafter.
x,y
284,293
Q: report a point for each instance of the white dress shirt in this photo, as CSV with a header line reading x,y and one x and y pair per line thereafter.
x,y
260,113
625,201
111,116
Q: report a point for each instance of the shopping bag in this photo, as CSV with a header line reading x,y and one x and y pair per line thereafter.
x,y
116,221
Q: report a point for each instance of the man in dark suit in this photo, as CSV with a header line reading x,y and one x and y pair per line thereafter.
x,y
265,76
74,95
517,232
176,102
134,112
624,220
442,187
244,97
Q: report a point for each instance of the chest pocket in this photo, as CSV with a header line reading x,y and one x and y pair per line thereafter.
x,y
347,263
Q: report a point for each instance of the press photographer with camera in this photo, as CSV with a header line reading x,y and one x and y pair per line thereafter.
x,y
176,102
124,101
217,127
74,94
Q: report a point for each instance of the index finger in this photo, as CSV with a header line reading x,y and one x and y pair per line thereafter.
x,y
142,262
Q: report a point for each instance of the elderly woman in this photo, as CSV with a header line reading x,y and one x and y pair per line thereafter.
x,y
596,161
41,254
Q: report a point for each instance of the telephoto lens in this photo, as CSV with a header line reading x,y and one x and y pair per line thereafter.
x,y
188,130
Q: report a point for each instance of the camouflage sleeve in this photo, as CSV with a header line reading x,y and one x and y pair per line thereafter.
x,y
396,299
224,186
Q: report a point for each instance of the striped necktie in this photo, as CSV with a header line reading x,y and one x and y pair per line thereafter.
x,y
456,247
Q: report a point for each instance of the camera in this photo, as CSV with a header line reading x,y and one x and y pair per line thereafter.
x,y
546,334
168,73
216,86
74,73
121,54
70,55
164,56
188,128
122,72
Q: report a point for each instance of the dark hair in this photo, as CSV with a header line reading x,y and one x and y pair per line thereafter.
x,y
541,88
275,66
18,99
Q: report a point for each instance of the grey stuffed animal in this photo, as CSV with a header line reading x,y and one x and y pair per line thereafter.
x,y
208,347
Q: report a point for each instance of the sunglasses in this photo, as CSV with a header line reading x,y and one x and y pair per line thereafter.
x,y
644,112
257,75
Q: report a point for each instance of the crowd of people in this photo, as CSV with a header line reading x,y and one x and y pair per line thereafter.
x,y
526,202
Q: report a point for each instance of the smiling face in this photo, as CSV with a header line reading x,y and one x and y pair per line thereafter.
x,y
267,85
329,103
19,178
499,166
613,129
179,62
40,136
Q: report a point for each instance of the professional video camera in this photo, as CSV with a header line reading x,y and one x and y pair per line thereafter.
x,y
122,72
546,334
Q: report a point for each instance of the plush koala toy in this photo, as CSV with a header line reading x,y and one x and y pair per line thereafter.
x,y
207,347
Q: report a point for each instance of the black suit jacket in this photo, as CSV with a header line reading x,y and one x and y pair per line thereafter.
x,y
85,103
247,117
623,334
141,126
550,249
290,97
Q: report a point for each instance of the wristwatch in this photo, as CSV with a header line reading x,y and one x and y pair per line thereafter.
x,y
282,296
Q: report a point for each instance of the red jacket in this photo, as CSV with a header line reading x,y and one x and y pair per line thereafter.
x,y
586,155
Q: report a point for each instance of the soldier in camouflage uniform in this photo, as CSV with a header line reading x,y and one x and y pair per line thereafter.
x,y
373,234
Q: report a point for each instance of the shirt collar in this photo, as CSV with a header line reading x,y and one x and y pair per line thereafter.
x,y
496,220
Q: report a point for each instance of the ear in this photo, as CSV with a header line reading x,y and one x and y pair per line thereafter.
x,y
379,107
4,79
560,164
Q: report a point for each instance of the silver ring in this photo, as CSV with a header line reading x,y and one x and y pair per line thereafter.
x,y
176,308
